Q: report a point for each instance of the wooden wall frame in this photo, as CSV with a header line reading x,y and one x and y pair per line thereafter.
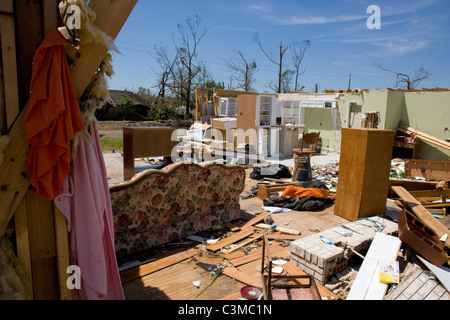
x,y
41,229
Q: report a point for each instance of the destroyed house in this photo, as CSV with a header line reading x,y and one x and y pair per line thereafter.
x,y
344,229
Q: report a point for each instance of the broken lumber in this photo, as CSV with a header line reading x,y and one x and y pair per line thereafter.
x,y
425,137
256,219
423,214
230,240
250,279
252,256
281,229
243,243
14,178
280,236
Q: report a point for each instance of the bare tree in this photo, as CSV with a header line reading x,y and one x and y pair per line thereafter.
x,y
409,82
278,63
286,80
299,53
180,70
190,36
245,70
167,64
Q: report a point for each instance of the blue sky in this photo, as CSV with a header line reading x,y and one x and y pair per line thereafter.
x,y
413,34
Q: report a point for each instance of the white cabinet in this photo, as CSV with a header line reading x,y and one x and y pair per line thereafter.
x,y
292,113
268,111
269,140
227,107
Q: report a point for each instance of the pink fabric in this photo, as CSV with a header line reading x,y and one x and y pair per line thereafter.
x,y
86,203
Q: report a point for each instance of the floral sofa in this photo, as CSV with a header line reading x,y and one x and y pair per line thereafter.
x,y
161,206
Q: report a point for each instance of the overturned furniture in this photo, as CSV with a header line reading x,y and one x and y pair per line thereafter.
x,y
364,169
285,287
428,169
421,230
161,206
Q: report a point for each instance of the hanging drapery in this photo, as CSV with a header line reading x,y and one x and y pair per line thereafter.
x,y
86,202
53,117
77,181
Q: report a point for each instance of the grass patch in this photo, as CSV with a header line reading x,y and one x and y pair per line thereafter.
x,y
112,143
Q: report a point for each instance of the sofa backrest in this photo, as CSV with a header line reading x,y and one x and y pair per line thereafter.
x,y
160,206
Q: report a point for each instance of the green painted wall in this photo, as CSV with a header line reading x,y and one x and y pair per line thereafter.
x,y
395,105
428,112
323,120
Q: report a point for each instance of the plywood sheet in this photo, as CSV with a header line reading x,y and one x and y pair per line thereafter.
x,y
366,285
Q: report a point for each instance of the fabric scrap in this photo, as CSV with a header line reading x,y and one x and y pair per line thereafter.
x,y
53,117
85,201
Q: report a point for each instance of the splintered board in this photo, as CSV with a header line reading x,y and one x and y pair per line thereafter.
x,y
367,285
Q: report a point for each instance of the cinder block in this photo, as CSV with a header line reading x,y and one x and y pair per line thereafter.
x,y
320,260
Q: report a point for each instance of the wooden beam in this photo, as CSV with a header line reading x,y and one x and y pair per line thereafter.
x,y
50,10
29,35
23,242
10,82
14,179
42,247
62,253
423,214
425,137
6,6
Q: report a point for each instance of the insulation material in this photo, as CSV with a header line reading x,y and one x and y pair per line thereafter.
x,y
97,92
13,279
88,32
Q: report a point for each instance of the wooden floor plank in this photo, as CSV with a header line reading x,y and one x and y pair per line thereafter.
x,y
142,270
249,279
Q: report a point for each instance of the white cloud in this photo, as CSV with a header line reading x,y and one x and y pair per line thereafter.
x,y
284,15
316,19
